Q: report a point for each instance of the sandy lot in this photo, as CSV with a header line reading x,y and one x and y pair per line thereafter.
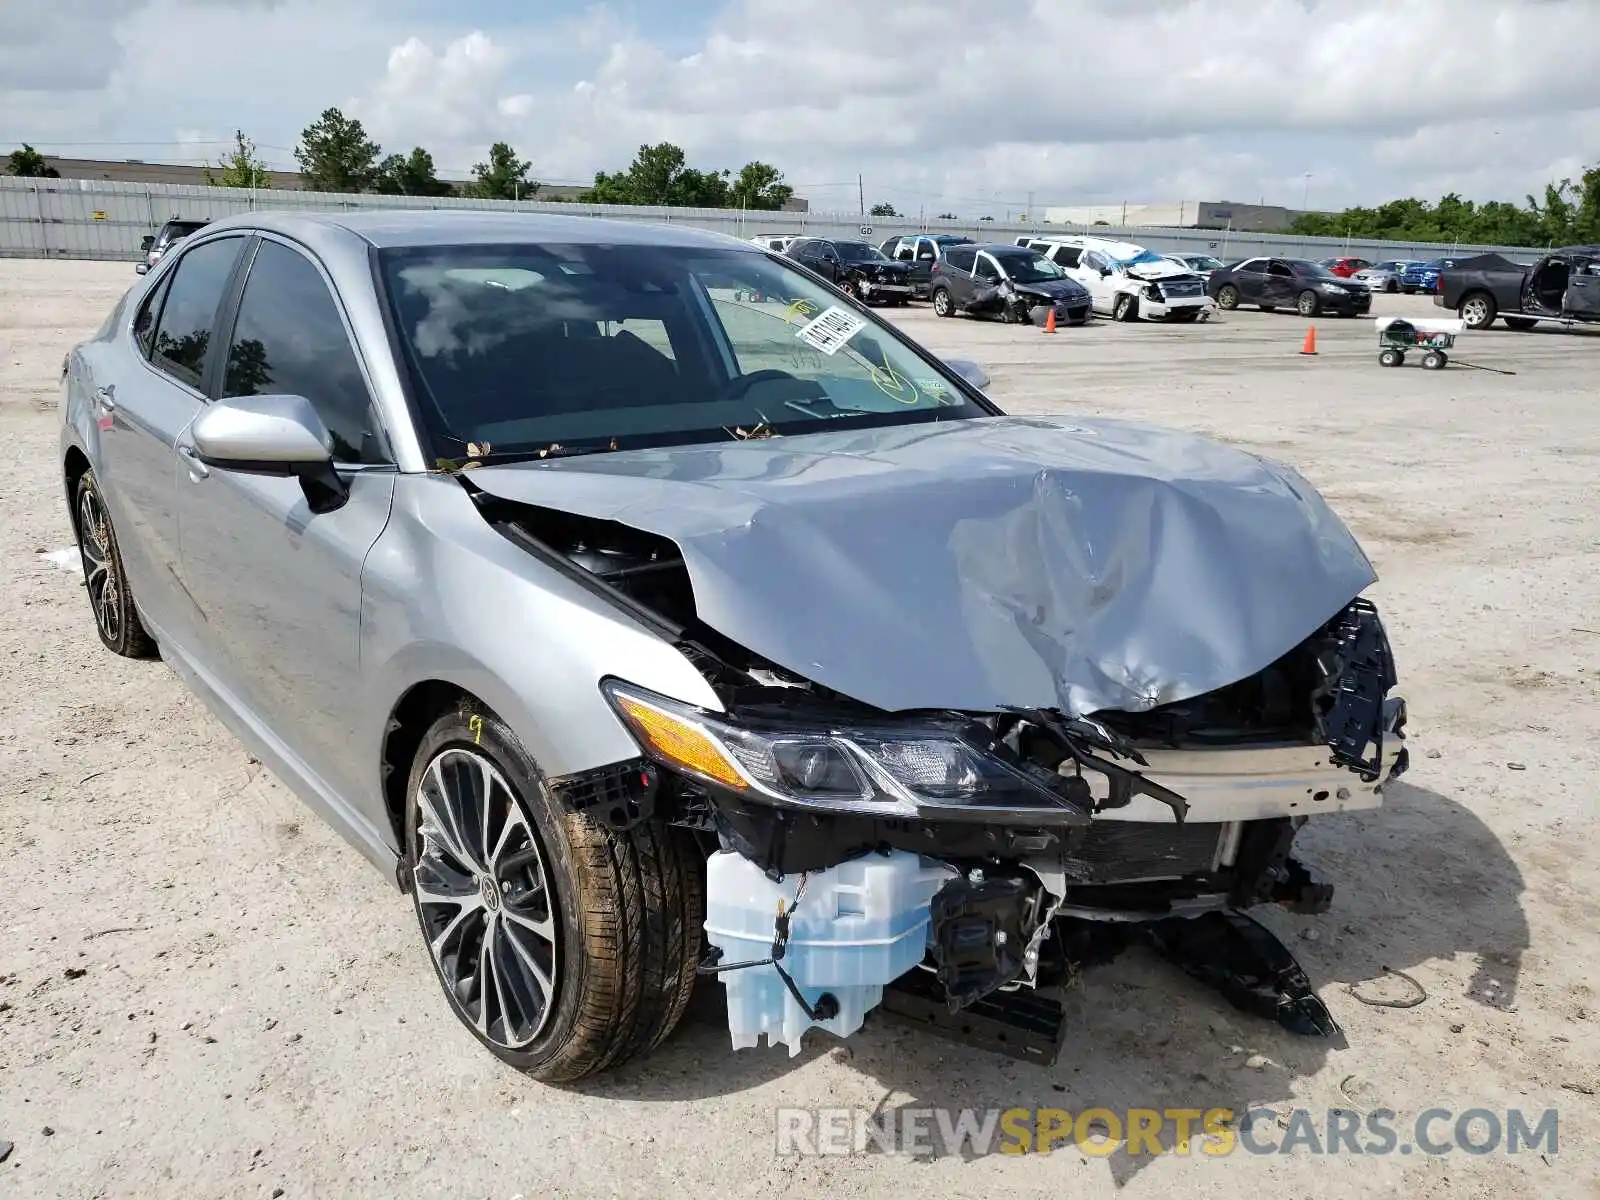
x,y
204,992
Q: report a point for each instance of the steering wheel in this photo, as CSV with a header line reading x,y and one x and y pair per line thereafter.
x,y
741,385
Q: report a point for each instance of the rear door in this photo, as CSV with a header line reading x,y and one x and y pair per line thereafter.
x,y
956,270
1583,289
142,410
279,585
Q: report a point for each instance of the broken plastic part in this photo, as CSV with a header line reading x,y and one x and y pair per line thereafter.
x,y
841,933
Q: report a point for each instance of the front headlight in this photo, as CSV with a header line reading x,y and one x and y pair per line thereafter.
x,y
884,771
1333,289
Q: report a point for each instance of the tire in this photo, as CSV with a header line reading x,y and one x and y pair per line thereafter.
x,y
1125,308
1392,357
611,920
1433,360
1478,310
1308,303
1269,308
116,619
1391,288
1228,297
1521,324
943,304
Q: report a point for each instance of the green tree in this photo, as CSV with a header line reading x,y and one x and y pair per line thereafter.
x,y
410,175
759,185
241,167
30,163
947,217
660,175
336,155
883,210
504,176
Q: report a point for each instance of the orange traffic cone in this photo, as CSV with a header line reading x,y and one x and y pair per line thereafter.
x,y
1309,346
1050,321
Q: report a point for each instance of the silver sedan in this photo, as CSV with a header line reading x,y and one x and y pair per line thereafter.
x,y
633,599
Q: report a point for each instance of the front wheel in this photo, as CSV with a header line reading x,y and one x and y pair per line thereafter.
x,y
116,619
1434,360
1124,308
1391,287
1392,357
943,305
1307,303
1228,297
565,947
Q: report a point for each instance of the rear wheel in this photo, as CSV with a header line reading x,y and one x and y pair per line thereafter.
x,y
565,947
1307,303
943,305
115,617
1434,360
1228,297
1478,310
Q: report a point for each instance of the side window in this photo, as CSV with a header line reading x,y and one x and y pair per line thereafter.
x,y
289,340
1253,267
960,259
1066,256
927,251
183,332
906,251
986,268
1096,261
1281,270
144,323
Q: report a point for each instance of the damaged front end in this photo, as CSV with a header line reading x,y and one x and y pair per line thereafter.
x,y
950,864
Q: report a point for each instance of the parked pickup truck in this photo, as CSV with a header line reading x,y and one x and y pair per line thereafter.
x,y
1562,286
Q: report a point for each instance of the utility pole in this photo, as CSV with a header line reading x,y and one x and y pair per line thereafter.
x,y
1027,217
861,194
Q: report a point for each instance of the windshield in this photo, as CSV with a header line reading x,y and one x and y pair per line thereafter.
x,y
1029,266
513,350
859,252
1140,257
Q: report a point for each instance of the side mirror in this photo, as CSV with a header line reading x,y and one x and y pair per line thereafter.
x,y
141,268
970,371
279,436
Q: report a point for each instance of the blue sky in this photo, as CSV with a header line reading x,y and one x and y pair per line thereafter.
x,y
965,105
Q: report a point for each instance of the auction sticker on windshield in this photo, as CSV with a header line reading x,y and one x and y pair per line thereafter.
x,y
831,330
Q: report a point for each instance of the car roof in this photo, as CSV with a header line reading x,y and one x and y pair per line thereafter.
x,y
385,228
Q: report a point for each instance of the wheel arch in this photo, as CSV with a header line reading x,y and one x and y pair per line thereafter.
x,y
74,466
409,720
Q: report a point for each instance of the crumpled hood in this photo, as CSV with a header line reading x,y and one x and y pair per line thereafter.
x,y
1056,289
983,563
1161,270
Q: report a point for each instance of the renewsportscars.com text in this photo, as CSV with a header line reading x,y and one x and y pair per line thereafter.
x,y
1212,1132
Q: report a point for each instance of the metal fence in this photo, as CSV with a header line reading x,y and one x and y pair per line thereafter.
x,y
100,219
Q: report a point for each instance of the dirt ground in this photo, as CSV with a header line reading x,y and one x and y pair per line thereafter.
x,y
205,992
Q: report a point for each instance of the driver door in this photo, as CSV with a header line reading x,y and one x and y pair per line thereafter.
x,y
1278,287
279,586
1583,290
1095,273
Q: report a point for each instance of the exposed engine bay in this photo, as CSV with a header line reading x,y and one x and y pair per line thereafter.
x,y
847,874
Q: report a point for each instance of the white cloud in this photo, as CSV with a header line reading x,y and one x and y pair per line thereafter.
x,y
966,104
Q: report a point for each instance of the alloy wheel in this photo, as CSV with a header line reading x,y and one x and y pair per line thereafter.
x,y
1475,312
99,564
485,898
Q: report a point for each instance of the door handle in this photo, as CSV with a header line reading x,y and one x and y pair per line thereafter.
x,y
107,397
197,468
